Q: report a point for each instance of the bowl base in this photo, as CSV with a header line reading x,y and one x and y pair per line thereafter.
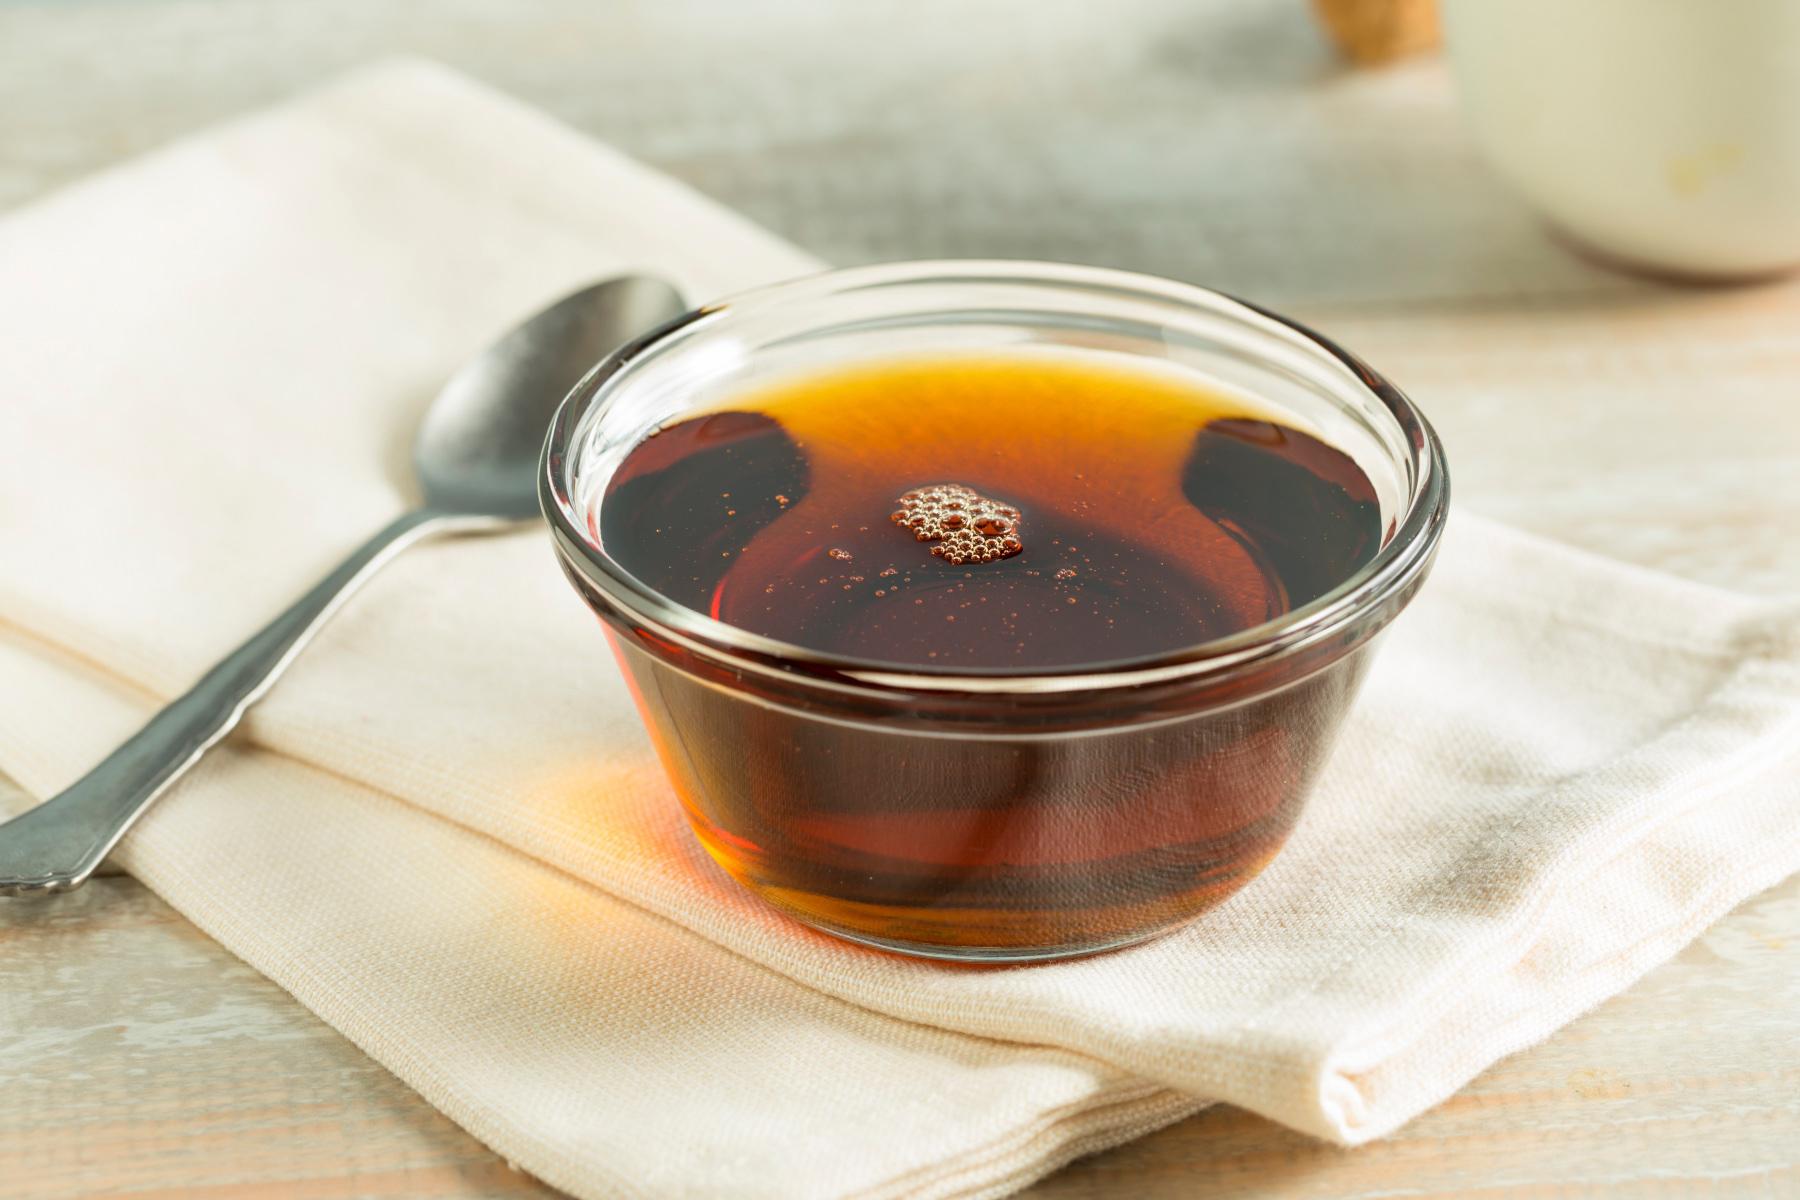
x,y
983,956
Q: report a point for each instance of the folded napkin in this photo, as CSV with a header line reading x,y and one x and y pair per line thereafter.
x,y
445,833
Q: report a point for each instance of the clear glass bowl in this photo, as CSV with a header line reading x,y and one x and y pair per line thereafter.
x,y
993,815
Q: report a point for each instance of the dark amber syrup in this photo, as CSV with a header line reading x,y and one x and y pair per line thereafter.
x,y
1017,515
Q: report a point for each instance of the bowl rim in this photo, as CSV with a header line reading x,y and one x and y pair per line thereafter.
x,y
1399,563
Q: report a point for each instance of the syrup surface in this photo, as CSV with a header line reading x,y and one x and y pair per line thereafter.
x,y
1012,513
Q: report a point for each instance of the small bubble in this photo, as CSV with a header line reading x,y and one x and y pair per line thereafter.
x,y
856,579
881,591
889,572
1065,573
1074,600
840,555
781,500
731,512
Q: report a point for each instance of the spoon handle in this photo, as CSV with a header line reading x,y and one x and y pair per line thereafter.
x,y
57,845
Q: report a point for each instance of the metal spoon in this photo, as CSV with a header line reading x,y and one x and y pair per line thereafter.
x,y
475,457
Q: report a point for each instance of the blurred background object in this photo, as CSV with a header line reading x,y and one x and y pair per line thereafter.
x,y
1379,31
1662,136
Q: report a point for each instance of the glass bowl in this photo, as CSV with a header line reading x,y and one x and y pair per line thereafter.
x,y
992,815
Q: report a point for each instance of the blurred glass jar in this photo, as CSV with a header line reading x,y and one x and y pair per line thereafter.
x,y
1662,134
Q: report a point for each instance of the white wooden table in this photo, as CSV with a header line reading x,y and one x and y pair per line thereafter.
x,y
1206,139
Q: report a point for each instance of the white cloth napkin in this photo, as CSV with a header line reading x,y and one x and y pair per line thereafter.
x,y
445,833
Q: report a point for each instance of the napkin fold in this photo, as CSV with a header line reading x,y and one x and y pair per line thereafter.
x,y
446,834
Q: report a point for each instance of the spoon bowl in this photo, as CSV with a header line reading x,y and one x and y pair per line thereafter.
x,y
477,449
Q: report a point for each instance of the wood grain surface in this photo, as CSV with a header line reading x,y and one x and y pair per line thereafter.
x,y
1214,140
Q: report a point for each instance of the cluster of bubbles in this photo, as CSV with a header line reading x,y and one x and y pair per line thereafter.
x,y
967,526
